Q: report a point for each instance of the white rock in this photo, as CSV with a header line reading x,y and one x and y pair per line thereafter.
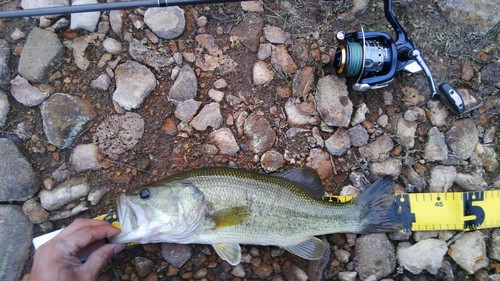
x,y
167,23
425,255
87,21
262,73
469,251
442,178
112,46
134,82
25,93
225,141
217,96
86,157
64,193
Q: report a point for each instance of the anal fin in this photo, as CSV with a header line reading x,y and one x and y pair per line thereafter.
x,y
229,252
311,249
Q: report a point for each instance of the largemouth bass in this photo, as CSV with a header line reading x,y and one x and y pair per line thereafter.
x,y
227,207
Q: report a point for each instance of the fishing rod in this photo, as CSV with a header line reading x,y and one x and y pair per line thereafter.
x,y
105,7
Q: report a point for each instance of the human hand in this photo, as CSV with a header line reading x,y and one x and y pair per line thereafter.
x,y
60,257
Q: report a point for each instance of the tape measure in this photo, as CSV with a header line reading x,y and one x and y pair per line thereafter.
x,y
444,211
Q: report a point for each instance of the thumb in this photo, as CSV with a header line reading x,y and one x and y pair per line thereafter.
x,y
100,257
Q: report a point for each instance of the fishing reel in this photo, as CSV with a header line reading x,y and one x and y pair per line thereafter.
x,y
372,59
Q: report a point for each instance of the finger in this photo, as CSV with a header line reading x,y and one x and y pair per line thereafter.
x,y
100,257
81,223
90,234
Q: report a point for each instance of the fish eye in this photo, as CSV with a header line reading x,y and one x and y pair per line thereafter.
x,y
145,193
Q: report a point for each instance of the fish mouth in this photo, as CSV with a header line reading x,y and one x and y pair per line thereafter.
x,y
127,217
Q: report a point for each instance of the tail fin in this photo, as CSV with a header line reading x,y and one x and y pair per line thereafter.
x,y
379,208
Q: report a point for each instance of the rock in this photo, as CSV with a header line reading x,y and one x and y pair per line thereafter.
x,y
220,83
61,174
281,60
87,21
462,138
412,97
265,51
489,135
423,235
167,23
35,212
435,148
389,167
134,82
28,4
66,192
406,133
139,52
339,143
262,73
249,31
185,86
294,273
377,150
320,161
41,55
347,276
276,35
224,140
79,45
239,270
217,96
483,14
118,133
490,73
374,255
263,271
301,113
86,157
332,101
15,242
143,266
260,135
26,94
4,63
415,114
209,116
116,20
494,245
442,178
358,136
272,161
64,117
25,130
252,6
489,159
176,254
303,82
469,251
425,255
360,115
64,214
439,113
4,108
471,182
101,83
187,109
317,268
112,46
342,255
96,195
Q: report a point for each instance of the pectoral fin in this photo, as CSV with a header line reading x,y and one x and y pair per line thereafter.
x,y
229,252
311,249
230,216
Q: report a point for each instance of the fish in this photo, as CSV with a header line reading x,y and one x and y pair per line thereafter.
x,y
225,207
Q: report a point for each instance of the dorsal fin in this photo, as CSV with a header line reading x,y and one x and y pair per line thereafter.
x,y
306,178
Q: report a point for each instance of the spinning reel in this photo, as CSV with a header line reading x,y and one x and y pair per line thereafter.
x,y
372,59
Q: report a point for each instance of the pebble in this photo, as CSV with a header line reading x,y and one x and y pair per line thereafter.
x,y
186,110
61,173
425,255
406,133
4,63
319,160
494,245
209,116
35,212
79,45
439,113
66,213
262,73
301,113
377,150
252,6
469,251
471,182
415,114
360,115
42,54
435,147
338,143
261,136
249,31
96,195
483,14
347,275
442,178
342,255
24,130
263,271
358,136
64,117
220,83
423,235
272,161
27,4
139,52
224,140
17,34
490,73
276,35
389,167
281,60
102,82
176,254
116,21
112,46
238,271
489,159
25,93
332,101
87,21
265,51
489,135
217,96
294,273
412,97
155,18
374,255
303,82
4,108
462,138
86,157
66,192
143,266
134,82
185,86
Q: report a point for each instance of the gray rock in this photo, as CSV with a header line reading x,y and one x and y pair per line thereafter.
x,y
41,54
471,182
332,101
176,254
96,195
66,192
25,93
252,6
187,109
25,130
358,136
220,83
60,24
439,113
143,266
414,181
374,255
134,82
494,277
86,157
249,31
276,35
4,63
101,83
360,115
112,46
301,113
265,51
415,114
79,45
15,242
281,60
35,212
489,135
4,108
116,20
119,133
469,251
185,86
87,21
167,23
17,179
423,235
377,150
406,133
224,140
209,116
389,167
271,161
261,136
262,73
435,148
294,273
490,73
64,214
320,161
61,174
347,275
153,58
64,117
442,178
494,245
339,143
303,82
215,95
483,13
425,255
462,138
489,159
239,270
29,4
